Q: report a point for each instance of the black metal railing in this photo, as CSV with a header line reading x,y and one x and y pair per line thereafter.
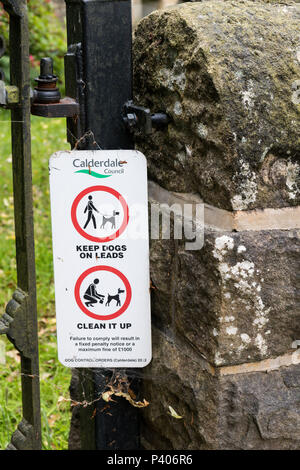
x,y
19,322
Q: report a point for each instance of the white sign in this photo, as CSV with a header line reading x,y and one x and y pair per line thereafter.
x,y
99,207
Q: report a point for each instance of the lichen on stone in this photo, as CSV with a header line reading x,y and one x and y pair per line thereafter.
x,y
224,72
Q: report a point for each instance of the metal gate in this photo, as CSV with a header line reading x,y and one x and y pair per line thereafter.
x,y
19,322
98,72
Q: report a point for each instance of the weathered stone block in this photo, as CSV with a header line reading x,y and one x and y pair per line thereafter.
x,y
256,410
162,271
238,299
260,411
179,378
228,75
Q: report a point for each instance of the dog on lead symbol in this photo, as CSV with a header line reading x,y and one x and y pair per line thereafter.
x,y
111,219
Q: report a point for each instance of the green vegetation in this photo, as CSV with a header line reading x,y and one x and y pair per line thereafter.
x,y
48,136
47,37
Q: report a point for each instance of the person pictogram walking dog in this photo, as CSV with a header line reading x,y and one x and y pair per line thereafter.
x,y
114,297
90,208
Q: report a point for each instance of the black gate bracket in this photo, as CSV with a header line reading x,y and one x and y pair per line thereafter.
x,y
45,99
140,118
23,438
14,322
66,107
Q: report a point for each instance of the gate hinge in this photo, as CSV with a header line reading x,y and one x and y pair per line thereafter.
x,y
13,322
141,119
23,438
46,100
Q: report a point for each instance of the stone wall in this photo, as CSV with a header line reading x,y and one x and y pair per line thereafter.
x,y
226,318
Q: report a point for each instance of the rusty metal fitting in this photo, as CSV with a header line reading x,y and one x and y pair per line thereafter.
x,y
45,99
46,91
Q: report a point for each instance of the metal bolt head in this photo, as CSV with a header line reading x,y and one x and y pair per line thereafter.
x,y
131,119
46,67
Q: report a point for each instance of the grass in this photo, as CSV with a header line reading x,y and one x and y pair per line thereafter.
x,y
48,136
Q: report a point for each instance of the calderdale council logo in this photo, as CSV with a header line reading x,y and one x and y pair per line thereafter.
x,y
107,167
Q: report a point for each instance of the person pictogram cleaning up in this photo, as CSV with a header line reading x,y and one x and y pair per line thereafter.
x,y
92,296
90,208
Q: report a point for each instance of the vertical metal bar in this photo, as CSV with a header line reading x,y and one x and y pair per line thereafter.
x,y
23,211
102,30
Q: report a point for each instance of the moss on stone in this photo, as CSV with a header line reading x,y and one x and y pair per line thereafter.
x,y
225,72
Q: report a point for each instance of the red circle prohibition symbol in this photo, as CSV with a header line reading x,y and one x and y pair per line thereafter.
x,y
117,273
91,237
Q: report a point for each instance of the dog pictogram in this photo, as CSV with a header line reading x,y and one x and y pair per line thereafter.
x,y
115,297
111,219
